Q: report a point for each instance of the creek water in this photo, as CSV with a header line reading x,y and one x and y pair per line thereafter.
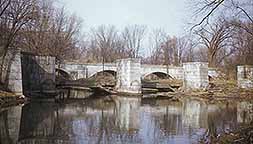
x,y
118,120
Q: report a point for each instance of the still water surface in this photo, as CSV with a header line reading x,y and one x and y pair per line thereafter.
x,y
117,120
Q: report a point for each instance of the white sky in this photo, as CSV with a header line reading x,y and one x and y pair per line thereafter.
x,y
169,15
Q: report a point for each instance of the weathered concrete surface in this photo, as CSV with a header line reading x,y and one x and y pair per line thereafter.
x,y
11,71
15,75
77,71
129,76
195,75
38,73
174,72
245,76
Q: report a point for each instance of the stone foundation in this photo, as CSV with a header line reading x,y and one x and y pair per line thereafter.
x,y
11,71
245,76
195,75
129,76
38,73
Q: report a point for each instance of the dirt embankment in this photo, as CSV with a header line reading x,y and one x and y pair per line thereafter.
x,y
243,135
222,90
218,90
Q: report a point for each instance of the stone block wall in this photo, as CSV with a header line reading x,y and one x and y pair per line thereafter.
x,y
213,72
11,71
245,76
38,73
195,75
129,76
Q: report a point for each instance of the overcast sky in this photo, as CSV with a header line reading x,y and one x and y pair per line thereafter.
x,y
169,15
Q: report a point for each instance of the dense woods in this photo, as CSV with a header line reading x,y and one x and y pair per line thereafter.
x,y
222,36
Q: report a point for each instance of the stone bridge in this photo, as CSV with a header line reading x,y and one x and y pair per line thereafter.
x,y
78,71
29,72
130,72
86,70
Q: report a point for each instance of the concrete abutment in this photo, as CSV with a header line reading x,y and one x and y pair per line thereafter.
x,y
38,73
11,75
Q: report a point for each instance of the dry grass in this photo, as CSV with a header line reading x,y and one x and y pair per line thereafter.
x,y
4,94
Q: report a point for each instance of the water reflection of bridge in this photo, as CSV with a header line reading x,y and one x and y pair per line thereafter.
x,y
131,120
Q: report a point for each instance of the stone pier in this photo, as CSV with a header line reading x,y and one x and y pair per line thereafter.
x,y
15,75
11,75
245,76
38,73
129,76
195,75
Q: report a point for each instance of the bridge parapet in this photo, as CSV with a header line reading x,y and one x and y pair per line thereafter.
x,y
86,70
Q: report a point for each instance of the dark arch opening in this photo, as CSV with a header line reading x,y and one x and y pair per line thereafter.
x,y
60,73
105,73
105,78
157,76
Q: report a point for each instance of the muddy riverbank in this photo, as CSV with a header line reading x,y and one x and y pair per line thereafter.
x,y
242,135
10,99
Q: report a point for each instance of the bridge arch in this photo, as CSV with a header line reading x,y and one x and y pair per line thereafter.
x,y
111,72
63,73
159,75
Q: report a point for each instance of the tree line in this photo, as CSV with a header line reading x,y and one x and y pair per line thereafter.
x,y
223,37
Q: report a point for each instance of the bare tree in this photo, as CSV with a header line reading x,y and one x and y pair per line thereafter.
x,y
184,49
4,4
243,42
54,33
215,38
133,36
105,38
66,31
167,50
233,8
15,15
159,53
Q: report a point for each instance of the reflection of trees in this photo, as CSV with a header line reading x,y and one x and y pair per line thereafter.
x,y
9,125
4,130
244,112
170,121
122,121
220,118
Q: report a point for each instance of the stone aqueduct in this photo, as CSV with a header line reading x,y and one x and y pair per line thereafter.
x,y
78,71
86,70
29,72
130,72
